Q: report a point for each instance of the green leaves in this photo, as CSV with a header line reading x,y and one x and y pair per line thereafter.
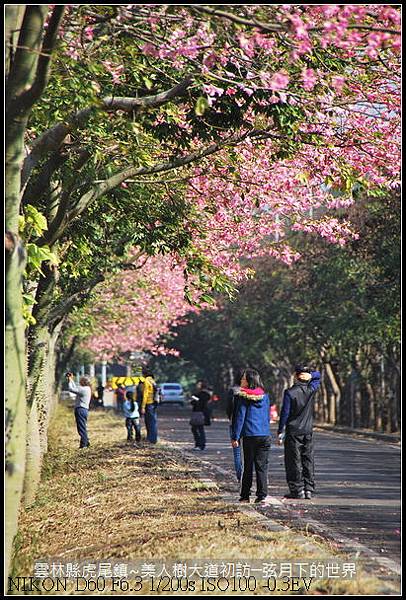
x,y
36,255
201,106
32,222
28,303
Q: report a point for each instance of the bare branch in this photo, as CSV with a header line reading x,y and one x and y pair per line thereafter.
x,y
274,27
133,104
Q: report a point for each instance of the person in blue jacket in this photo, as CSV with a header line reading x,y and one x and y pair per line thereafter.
x,y
295,430
251,425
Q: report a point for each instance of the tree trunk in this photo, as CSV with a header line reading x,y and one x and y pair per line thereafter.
x,y
335,397
42,403
324,395
15,411
15,362
33,457
64,358
21,70
14,17
38,410
394,401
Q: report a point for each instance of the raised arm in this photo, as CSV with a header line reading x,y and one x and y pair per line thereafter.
x,y
73,387
315,380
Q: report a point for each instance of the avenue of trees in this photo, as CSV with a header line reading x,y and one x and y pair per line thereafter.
x,y
215,140
337,308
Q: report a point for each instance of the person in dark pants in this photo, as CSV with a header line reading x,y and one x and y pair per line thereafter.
x,y
120,394
100,394
198,420
250,423
149,405
132,418
83,393
231,407
296,431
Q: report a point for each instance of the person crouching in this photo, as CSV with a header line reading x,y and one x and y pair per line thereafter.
x,y
132,418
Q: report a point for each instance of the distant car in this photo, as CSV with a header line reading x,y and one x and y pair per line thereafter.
x,y
172,393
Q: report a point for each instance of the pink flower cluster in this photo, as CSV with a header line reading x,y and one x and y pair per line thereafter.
x,y
135,309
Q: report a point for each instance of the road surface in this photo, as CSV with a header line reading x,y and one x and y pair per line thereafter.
x,y
357,480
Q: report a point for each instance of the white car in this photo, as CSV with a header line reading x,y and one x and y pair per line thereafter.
x,y
172,393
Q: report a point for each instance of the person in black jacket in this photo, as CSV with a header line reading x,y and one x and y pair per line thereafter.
x,y
200,406
297,418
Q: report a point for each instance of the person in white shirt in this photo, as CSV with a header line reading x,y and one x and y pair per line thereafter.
x,y
132,418
83,393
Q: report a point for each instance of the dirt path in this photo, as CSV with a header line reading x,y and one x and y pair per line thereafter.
x,y
113,502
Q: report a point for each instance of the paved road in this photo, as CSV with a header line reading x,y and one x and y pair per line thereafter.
x,y
358,480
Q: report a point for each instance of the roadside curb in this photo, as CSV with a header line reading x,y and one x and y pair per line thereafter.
x,y
247,509
390,571
385,437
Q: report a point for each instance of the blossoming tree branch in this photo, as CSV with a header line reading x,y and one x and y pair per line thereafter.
x,y
204,135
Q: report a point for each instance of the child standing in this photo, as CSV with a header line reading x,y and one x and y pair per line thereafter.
x,y
132,418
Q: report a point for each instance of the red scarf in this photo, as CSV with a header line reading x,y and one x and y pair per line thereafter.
x,y
256,394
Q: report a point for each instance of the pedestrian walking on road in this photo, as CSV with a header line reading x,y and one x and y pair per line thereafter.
x,y
231,405
132,418
83,393
295,430
149,405
200,402
250,424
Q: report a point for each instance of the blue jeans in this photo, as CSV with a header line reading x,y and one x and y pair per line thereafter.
x,y
200,436
81,424
151,422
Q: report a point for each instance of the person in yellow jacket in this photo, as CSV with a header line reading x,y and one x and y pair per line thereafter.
x,y
149,406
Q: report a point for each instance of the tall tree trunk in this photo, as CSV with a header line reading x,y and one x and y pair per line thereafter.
x,y
371,401
335,397
15,362
27,72
15,407
64,356
37,411
324,396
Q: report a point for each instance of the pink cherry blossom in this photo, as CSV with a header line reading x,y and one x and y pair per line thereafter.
x,y
279,81
309,79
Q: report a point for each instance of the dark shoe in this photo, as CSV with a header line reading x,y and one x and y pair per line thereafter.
x,y
260,500
308,495
245,500
295,495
